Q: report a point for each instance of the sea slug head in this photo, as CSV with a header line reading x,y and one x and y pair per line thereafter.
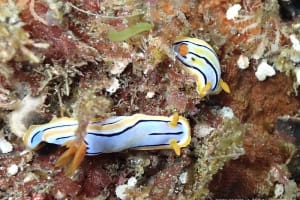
x,y
33,137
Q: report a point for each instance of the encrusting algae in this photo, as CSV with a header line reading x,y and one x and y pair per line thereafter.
x,y
212,152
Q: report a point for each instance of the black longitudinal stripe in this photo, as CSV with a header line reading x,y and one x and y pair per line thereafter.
x,y
126,129
193,67
174,133
108,123
70,136
65,137
199,45
50,128
87,145
35,135
93,154
42,131
211,65
100,152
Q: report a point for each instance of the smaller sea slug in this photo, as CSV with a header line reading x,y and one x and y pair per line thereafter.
x,y
139,131
200,60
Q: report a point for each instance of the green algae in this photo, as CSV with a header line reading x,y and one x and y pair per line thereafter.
x,y
119,36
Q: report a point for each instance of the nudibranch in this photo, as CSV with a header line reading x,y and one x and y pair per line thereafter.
x,y
139,131
200,60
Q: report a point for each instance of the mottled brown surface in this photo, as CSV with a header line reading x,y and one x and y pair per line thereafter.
x,y
261,103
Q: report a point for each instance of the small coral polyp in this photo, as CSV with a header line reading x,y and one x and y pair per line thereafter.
x,y
139,131
200,60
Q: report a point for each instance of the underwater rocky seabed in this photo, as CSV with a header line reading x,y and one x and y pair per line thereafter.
x,y
67,58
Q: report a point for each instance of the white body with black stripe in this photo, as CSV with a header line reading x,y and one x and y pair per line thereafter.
x,y
200,60
139,131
